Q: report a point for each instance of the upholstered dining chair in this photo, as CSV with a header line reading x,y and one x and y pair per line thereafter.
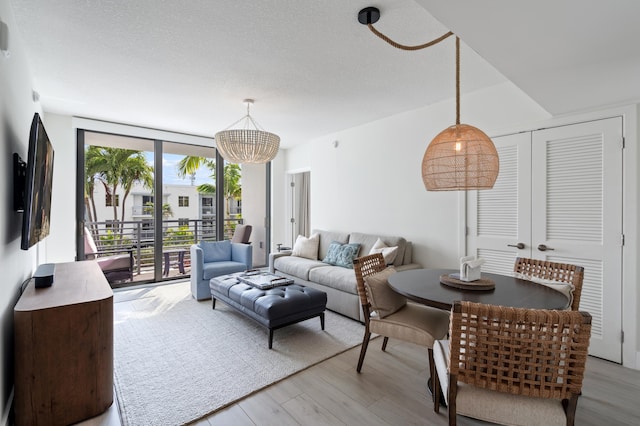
x,y
387,313
546,272
512,366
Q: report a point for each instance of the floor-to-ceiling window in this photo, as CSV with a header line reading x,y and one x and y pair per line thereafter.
x,y
152,199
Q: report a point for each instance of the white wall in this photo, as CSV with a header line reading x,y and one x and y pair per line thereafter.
x,y
60,246
16,112
371,182
254,190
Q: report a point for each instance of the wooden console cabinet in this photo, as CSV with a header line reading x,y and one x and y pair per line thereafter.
x,y
64,347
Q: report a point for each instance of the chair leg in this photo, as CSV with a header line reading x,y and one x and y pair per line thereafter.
x,y
453,392
570,406
436,391
384,343
363,350
432,370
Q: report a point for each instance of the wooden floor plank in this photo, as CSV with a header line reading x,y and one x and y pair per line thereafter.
x,y
307,411
390,390
233,415
340,404
265,411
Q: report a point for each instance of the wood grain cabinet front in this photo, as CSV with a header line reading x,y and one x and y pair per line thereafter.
x,y
64,347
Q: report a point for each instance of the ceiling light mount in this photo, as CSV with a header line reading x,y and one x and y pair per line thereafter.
x,y
369,15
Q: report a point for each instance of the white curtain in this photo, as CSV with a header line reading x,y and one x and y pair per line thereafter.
x,y
301,223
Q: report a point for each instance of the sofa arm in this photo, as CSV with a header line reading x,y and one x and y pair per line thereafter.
x,y
197,263
242,253
274,256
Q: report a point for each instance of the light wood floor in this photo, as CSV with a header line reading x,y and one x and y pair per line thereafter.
x,y
390,390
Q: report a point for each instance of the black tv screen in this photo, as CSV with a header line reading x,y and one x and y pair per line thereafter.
x,y
37,186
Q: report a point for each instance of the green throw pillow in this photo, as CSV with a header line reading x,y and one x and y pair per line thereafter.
x,y
341,254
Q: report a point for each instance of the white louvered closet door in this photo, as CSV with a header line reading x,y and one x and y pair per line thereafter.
x,y
577,214
499,219
560,187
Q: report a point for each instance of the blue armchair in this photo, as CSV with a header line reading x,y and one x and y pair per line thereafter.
x,y
213,258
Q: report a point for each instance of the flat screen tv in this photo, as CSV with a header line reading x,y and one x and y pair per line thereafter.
x,y
33,181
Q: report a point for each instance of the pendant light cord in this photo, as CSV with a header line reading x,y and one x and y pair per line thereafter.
x,y
425,45
457,80
405,47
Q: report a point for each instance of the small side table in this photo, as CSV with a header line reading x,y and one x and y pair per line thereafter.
x,y
167,260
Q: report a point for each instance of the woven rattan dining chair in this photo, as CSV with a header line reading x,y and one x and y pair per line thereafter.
x,y
553,271
512,366
388,314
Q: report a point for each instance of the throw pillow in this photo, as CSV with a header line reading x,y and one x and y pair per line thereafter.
x,y
306,247
216,251
341,254
384,301
564,288
389,253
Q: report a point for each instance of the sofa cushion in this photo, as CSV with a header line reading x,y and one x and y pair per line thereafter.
x,y
342,279
408,253
384,301
306,247
389,253
224,267
341,254
296,266
367,241
216,251
326,238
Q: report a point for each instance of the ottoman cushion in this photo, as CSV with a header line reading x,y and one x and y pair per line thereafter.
x,y
272,307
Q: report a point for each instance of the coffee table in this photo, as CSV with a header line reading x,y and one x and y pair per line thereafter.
x,y
273,308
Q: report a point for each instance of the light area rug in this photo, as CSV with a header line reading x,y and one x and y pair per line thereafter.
x,y
177,360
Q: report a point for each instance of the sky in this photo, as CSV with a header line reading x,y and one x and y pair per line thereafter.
x,y
170,171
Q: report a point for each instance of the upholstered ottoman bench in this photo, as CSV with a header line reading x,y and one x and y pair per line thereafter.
x,y
273,308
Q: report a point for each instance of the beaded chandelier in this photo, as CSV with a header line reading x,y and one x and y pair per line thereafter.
x,y
248,144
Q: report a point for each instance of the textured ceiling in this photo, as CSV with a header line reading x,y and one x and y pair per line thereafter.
x,y
186,65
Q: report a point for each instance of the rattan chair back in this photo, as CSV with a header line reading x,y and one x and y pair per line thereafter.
x,y
363,267
529,352
555,271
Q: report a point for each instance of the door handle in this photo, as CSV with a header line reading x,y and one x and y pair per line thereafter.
x,y
543,247
518,245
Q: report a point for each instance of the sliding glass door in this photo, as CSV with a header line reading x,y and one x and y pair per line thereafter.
x,y
151,199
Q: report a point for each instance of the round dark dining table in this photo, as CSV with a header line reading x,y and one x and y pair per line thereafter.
x,y
423,286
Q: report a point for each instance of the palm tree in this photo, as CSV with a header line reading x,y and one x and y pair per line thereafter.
x,y
91,174
116,167
232,189
167,211
136,170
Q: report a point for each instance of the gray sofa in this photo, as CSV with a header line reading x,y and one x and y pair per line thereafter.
x,y
338,282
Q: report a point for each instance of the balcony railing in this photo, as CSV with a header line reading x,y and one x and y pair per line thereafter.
x,y
138,236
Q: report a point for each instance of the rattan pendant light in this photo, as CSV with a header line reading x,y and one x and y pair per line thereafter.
x,y
461,157
248,144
